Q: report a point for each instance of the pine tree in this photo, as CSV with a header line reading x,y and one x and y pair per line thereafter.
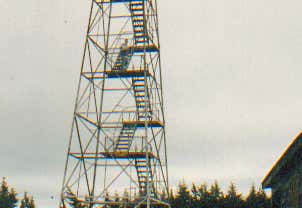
x,y
251,200
8,199
195,196
172,198
27,202
183,197
215,196
262,200
204,196
232,199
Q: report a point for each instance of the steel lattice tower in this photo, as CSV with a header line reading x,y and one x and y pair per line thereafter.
x,y
117,144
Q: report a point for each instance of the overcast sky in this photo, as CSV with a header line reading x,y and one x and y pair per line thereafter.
x,y
232,86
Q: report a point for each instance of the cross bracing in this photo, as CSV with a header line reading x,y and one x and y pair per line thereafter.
x,y
118,144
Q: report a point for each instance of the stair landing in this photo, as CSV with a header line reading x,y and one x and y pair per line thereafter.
x,y
112,155
142,124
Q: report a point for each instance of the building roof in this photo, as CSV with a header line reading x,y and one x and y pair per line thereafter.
x,y
282,163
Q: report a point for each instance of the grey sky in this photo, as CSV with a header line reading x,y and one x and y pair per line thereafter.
x,y
231,72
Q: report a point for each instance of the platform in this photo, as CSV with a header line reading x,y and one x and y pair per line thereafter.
x,y
142,49
126,73
112,155
115,74
142,124
117,1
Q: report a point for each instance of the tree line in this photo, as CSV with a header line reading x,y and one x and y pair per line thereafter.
x,y
196,196
202,196
199,196
8,198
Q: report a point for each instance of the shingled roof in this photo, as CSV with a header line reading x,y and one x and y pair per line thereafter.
x,y
285,162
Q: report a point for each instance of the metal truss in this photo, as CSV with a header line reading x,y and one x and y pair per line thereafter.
x,y
117,145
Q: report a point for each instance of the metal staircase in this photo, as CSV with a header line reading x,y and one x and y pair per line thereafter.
x,y
142,175
125,138
123,60
142,100
138,22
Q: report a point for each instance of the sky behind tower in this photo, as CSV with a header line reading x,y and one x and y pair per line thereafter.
x,y
231,72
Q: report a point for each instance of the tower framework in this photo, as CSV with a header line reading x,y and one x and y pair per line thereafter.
x,y
117,150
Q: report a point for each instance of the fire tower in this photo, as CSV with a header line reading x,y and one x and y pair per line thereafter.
x,y
117,149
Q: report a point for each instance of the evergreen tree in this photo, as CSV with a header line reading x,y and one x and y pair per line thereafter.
x,y
27,202
262,200
195,196
172,198
216,195
7,198
251,200
232,199
183,197
204,196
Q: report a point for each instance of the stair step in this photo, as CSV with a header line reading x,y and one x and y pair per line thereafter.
x,y
141,161
141,107
138,15
141,41
139,90
136,3
138,20
142,88
138,79
132,4
141,166
139,28
137,7
139,33
139,85
142,101
124,136
138,23
123,139
142,93
137,82
141,38
137,10
123,142
123,145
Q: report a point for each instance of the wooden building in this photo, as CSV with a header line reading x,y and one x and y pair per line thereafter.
x,y
285,178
